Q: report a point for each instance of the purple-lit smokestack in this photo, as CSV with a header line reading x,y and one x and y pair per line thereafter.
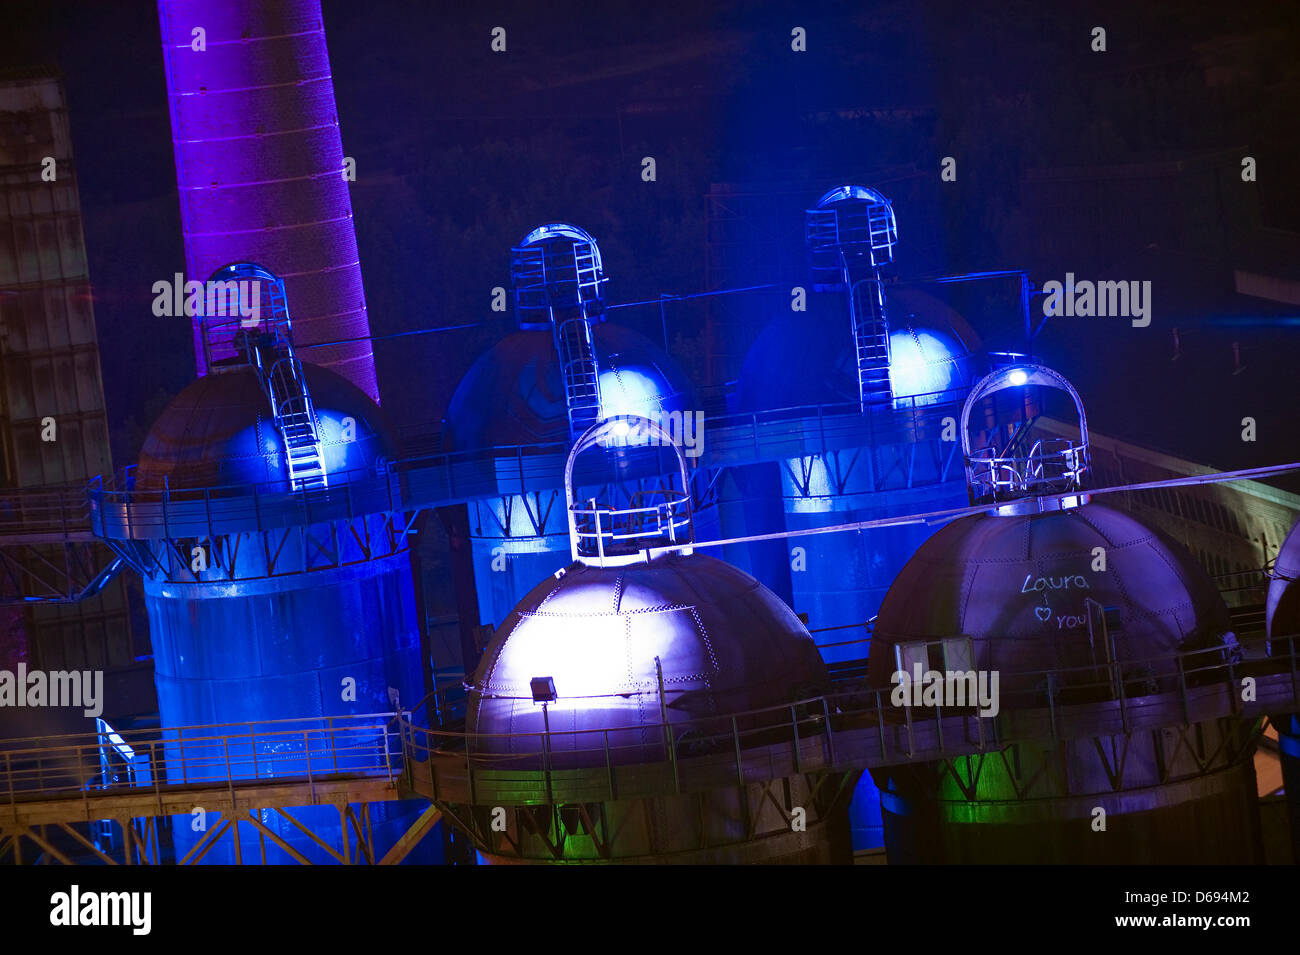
x,y
259,164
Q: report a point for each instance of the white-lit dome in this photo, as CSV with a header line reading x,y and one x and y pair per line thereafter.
x,y
724,642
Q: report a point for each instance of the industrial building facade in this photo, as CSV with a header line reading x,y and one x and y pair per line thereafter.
x,y
669,652
53,424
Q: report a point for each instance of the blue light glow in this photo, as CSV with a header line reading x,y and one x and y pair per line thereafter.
x,y
923,362
816,497
626,391
841,193
1018,377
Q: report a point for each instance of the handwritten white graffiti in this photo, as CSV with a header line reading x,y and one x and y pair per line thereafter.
x,y
1042,584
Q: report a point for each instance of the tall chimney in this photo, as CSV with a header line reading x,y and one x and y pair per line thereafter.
x,y
259,164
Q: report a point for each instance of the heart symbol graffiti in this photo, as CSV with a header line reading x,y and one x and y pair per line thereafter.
x,y
1043,613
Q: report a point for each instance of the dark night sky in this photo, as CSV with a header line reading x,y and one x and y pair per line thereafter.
x,y
460,151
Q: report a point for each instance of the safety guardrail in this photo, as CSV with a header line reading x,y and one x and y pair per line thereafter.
x,y
120,511
854,726
223,754
59,511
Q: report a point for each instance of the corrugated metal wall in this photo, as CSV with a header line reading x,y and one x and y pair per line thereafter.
x,y
49,360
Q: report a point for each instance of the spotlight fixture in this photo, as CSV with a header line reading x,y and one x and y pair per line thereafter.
x,y
543,688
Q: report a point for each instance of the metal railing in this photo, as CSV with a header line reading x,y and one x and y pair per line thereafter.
x,y
853,726
45,511
1053,465
220,754
610,531
836,424
122,512
840,637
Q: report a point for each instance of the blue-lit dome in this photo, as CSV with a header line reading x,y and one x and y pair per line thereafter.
x,y
219,431
514,393
806,358
924,362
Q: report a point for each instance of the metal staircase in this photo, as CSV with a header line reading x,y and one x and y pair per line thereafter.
x,y
882,230
871,342
295,418
279,309
581,376
267,344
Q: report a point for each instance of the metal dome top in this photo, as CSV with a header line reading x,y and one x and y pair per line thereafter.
x,y
242,301
560,230
514,393
245,329
847,192
1059,590
629,648
220,431
1282,606
238,270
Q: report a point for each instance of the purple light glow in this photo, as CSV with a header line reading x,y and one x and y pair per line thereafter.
x,y
259,165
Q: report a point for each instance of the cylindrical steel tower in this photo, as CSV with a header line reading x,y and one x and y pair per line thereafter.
x,y
272,542
260,166
1078,618
882,401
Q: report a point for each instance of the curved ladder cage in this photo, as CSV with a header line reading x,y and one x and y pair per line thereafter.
x,y
1050,466
559,279
851,226
259,334
244,306
556,266
605,535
